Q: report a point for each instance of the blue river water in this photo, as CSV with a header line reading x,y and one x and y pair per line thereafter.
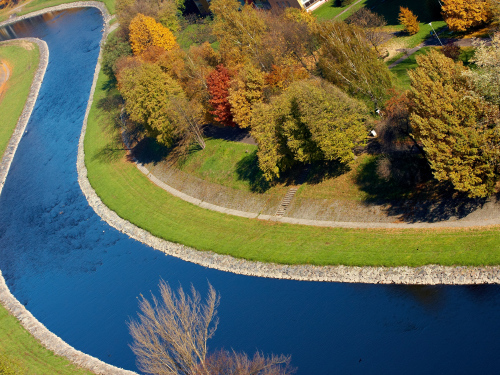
x,y
81,278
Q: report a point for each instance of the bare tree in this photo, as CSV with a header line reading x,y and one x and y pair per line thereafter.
x,y
224,362
171,334
170,338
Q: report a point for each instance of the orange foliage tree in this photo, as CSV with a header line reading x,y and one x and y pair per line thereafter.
x,y
408,20
461,15
218,83
146,32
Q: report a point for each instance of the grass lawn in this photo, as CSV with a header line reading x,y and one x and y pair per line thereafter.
x,y
128,192
396,45
34,5
401,70
23,64
231,164
21,353
329,10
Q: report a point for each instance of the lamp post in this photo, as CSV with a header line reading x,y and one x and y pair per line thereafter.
x,y
435,33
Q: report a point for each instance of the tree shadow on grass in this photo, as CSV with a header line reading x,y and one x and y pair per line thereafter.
x,y
247,169
405,185
425,10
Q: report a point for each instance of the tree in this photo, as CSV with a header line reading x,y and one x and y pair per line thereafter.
x,y
408,20
461,15
145,32
166,12
486,78
171,334
218,83
247,89
114,49
238,29
311,121
494,6
458,129
372,23
348,61
155,99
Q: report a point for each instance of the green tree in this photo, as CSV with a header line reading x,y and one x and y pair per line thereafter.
x,y
153,98
114,49
311,121
348,61
458,129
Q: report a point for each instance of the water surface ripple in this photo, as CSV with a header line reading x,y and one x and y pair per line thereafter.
x,y
81,278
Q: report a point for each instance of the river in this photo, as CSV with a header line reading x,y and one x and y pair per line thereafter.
x,y
81,278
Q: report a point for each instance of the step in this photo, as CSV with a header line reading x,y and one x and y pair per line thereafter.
x,y
280,212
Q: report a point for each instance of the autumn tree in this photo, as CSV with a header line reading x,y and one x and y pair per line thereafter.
x,y
7,3
239,29
166,12
458,129
372,24
146,32
218,83
494,6
171,334
153,98
486,77
348,61
311,121
408,20
461,15
246,90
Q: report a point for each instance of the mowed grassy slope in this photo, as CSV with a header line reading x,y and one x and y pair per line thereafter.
x,y
128,192
28,6
21,353
23,64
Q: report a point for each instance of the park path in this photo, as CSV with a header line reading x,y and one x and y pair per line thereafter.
x,y
432,42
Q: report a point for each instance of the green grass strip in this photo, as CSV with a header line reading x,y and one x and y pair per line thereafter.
x,y
36,5
23,64
124,189
21,353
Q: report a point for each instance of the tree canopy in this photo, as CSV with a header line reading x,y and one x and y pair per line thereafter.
x,y
459,130
146,32
311,121
349,62
461,15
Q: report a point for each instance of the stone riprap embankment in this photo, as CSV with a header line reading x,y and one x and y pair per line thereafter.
x,y
48,339
77,4
425,275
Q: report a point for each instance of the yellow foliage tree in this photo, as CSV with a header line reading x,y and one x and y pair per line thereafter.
x,y
408,20
461,15
146,32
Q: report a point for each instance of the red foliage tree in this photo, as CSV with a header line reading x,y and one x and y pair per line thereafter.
x,y
218,82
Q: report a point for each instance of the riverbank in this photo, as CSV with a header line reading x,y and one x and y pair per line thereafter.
x,y
259,248
46,338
